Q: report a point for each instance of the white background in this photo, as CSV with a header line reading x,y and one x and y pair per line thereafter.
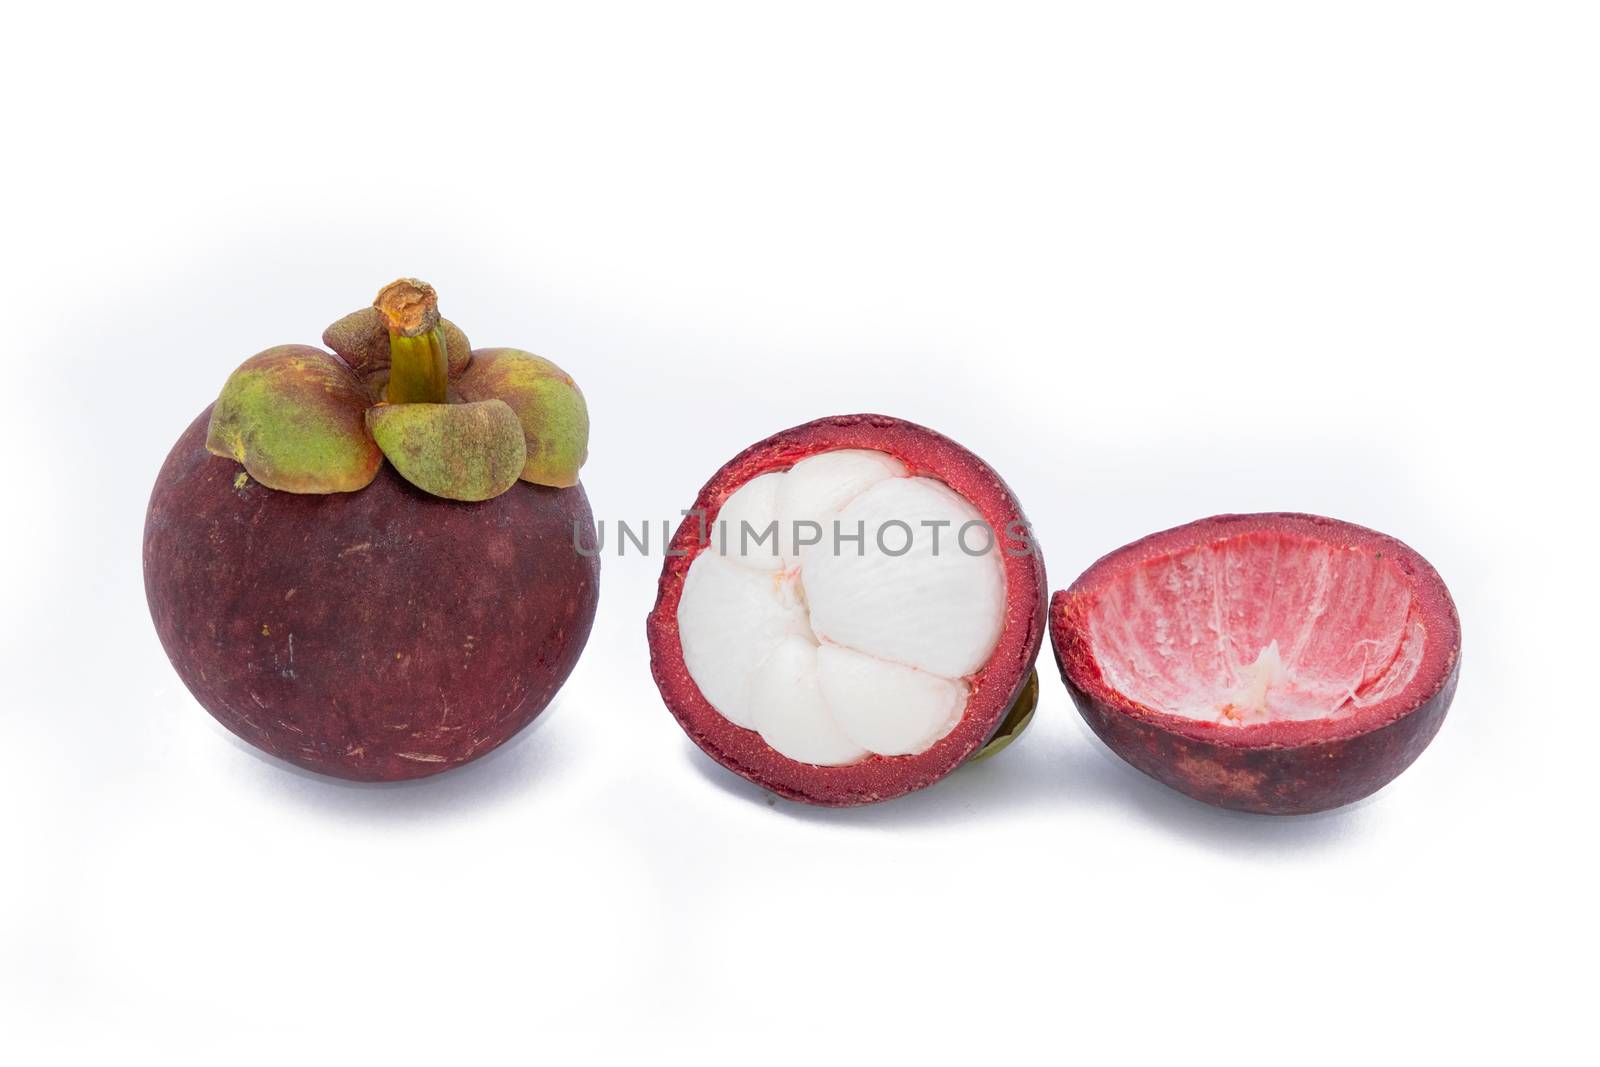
x,y
1152,261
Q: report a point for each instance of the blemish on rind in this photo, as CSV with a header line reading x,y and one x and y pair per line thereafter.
x,y
1237,782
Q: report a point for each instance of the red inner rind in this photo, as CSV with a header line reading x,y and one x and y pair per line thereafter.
x,y
1284,767
994,687
1070,611
1258,626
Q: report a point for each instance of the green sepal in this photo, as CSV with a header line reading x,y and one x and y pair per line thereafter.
x,y
1016,720
294,416
547,402
458,451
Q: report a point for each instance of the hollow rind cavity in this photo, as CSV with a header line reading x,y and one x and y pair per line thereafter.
x,y
294,417
1270,733
554,416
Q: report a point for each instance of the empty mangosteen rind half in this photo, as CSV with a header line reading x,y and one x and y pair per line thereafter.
x,y
1278,663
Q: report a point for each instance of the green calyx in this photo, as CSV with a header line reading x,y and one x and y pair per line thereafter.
x,y
405,385
362,340
554,417
457,451
295,417
1016,720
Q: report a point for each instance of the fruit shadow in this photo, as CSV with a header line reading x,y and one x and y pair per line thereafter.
x,y
1057,774
508,773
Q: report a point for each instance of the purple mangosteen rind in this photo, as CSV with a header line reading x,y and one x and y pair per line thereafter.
x,y
374,636
1275,767
375,620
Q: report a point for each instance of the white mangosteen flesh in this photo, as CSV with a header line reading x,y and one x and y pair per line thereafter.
x,y
1259,628
842,607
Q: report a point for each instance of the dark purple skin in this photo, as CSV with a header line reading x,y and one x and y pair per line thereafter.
x,y
377,635
1311,777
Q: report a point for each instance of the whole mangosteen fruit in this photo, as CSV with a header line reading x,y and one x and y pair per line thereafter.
x,y
366,619
1274,663
850,611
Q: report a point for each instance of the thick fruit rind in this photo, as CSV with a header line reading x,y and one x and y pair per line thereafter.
x,y
1274,768
375,636
555,419
294,416
457,451
995,688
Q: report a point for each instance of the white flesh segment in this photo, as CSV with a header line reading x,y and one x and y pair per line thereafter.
x,y
889,709
816,488
754,503
938,613
904,630
790,713
730,618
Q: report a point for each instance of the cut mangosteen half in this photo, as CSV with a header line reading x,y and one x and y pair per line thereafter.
x,y
850,611
1274,663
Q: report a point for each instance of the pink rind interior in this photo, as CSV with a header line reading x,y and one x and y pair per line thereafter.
x,y
1182,632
